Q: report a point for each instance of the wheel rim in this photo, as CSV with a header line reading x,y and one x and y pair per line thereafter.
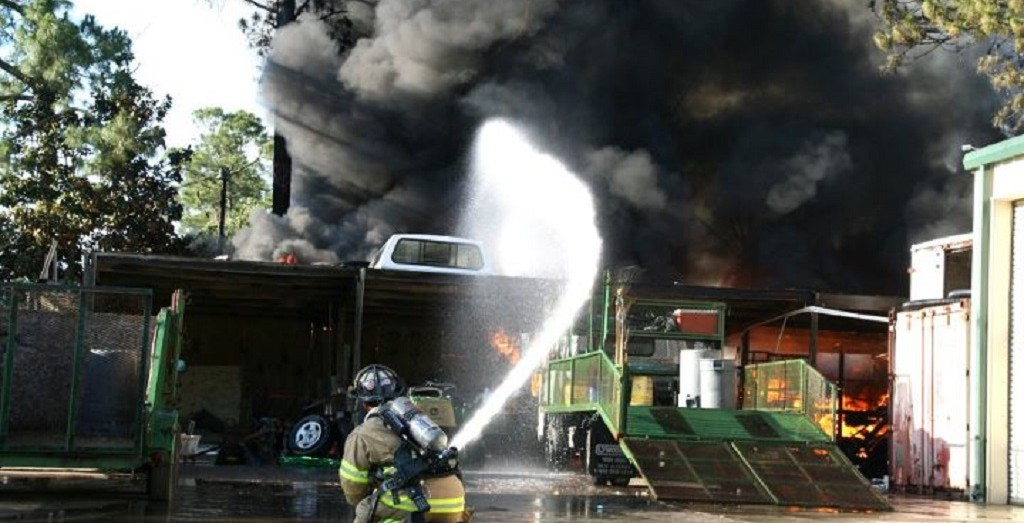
x,y
309,434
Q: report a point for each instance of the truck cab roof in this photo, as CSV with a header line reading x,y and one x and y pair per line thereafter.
x,y
433,253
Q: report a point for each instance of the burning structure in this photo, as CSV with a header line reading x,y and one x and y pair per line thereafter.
x,y
714,169
713,149
850,350
262,338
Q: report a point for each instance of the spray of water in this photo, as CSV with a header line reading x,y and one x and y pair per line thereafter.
x,y
541,222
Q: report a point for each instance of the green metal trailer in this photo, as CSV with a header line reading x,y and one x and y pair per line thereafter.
x,y
88,381
615,407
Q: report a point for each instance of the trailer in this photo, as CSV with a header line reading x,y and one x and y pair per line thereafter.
x,y
88,383
652,394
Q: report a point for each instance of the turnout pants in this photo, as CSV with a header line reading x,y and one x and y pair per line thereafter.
x,y
446,497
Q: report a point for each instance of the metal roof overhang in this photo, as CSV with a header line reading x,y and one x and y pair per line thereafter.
x,y
251,288
277,289
995,153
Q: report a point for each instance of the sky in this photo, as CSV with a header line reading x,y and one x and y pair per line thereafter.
x,y
189,50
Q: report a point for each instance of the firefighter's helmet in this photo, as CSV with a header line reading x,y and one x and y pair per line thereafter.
x,y
376,384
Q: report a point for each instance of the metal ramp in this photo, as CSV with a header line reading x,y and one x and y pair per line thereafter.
x,y
736,456
720,424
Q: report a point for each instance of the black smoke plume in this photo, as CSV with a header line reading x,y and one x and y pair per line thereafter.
x,y
746,143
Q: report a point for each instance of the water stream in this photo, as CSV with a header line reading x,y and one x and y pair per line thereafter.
x,y
539,220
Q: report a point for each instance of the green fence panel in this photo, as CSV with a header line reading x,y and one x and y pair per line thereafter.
x,y
588,382
792,386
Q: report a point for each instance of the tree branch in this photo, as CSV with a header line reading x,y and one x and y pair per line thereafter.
x,y
15,72
250,2
13,6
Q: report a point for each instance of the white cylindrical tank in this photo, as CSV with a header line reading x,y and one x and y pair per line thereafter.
x,y
689,375
717,384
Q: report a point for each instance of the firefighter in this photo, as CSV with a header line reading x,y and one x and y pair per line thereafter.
x,y
369,457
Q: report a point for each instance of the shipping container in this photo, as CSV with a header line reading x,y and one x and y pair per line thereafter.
x,y
940,266
930,396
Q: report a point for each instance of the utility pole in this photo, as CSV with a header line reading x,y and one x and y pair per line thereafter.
x,y
223,208
282,166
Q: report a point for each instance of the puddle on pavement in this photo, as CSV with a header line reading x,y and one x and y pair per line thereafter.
x,y
497,496
209,501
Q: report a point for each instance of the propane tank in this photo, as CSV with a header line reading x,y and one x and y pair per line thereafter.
x,y
420,427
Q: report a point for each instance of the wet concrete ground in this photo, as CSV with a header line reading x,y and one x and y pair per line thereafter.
x,y
209,493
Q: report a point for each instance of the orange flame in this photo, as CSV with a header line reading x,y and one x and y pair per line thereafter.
x,y
865,403
826,424
506,345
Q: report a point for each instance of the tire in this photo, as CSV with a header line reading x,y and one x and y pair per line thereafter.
x,y
160,482
310,436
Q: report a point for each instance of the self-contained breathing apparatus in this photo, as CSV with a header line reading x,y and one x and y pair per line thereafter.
x,y
424,452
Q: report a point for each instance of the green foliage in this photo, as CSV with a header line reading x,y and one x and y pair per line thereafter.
x,y
913,28
235,144
267,16
82,153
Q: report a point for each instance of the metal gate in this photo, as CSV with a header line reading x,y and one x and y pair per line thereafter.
x,y
805,474
743,456
1016,457
73,368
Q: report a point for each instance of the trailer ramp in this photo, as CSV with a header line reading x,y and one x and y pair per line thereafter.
x,y
743,457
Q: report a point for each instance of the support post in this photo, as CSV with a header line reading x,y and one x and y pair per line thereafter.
x,y
812,349
281,187
223,209
357,327
979,335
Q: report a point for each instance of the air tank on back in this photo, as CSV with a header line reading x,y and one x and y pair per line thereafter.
x,y
421,428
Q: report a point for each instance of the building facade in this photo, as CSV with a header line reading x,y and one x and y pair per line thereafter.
x,y
997,325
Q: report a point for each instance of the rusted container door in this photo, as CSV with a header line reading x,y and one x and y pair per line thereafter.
x,y
929,397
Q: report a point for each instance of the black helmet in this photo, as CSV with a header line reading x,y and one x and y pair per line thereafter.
x,y
376,384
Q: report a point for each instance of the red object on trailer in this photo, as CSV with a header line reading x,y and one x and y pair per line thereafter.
x,y
696,321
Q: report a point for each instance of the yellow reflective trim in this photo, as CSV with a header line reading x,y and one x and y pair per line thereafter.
x,y
447,505
404,502
351,478
437,505
354,470
350,472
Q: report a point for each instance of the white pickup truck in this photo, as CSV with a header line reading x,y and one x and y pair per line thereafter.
x,y
433,253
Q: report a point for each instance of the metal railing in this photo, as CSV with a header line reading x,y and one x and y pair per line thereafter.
x,y
792,386
588,382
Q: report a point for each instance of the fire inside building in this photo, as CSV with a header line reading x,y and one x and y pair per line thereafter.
x,y
264,340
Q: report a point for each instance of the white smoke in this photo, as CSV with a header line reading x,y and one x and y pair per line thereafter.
x,y
632,176
813,164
